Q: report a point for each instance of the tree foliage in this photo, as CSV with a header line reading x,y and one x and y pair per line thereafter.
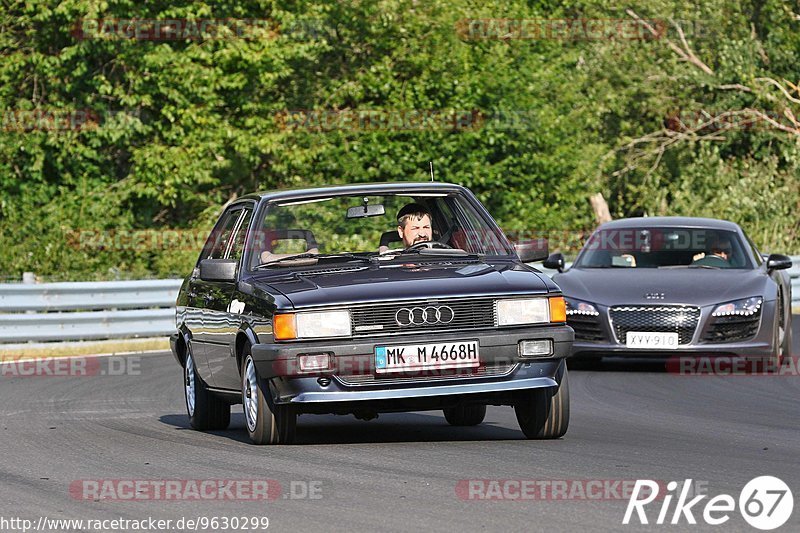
x,y
106,140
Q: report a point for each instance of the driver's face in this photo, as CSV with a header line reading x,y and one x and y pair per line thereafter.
x,y
416,230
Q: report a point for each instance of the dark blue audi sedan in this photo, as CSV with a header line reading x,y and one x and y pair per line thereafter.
x,y
365,299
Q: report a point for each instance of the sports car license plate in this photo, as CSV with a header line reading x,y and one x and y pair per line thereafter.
x,y
651,339
439,355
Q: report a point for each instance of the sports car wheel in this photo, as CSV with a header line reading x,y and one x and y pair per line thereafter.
x,y
544,413
465,415
267,422
783,335
205,410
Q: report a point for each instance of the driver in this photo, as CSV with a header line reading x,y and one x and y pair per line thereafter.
x,y
719,256
414,224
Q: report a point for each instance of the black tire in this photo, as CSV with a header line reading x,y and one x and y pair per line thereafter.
x,y
465,415
205,410
266,421
785,352
544,413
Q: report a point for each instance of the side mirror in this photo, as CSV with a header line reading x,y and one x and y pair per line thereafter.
x,y
531,251
218,270
778,262
555,262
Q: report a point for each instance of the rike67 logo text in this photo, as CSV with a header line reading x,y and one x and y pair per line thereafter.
x,y
765,503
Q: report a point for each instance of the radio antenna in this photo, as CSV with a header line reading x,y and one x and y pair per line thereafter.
x,y
431,164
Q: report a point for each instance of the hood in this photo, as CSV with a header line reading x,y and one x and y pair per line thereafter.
x,y
411,281
696,286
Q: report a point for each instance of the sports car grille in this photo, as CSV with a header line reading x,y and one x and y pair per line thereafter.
x,y
587,328
732,328
364,380
662,318
380,319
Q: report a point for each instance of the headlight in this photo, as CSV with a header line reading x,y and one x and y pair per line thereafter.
x,y
311,325
744,307
579,307
530,311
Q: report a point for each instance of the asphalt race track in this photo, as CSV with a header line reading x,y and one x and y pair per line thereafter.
x,y
399,472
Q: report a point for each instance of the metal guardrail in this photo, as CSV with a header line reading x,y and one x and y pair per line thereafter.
x,y
119,309
87,310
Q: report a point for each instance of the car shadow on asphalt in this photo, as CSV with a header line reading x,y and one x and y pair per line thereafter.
x,y
388,427
619,365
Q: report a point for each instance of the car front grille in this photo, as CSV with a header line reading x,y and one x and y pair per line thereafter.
x,y
365,380
732,328
657,318
587,328
461,315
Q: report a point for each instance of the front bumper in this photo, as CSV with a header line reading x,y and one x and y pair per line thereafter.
x,y
759,346
278,362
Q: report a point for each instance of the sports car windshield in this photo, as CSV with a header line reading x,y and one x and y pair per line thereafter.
x,y
341,227
665,248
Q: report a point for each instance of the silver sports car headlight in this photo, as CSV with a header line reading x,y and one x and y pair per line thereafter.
x,y
579,307
744,307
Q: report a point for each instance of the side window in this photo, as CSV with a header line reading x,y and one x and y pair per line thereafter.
x,y
241,234
220,236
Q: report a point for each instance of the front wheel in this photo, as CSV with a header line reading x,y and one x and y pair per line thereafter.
x,y
205,410
544,413
267,422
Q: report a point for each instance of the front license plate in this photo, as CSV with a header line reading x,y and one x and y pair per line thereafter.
x,y
439,355
651,339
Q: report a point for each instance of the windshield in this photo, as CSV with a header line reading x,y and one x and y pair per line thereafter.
x,y
367,226
664,248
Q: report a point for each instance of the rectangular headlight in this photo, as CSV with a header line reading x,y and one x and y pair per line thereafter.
x,y
323,324
523,311
312,325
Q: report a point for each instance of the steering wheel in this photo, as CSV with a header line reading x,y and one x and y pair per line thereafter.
x,y
426,244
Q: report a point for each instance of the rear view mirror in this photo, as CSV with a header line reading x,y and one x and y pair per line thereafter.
x,y
218,270
366,210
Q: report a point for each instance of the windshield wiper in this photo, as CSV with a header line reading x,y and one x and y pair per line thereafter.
x,y
344,255
704,266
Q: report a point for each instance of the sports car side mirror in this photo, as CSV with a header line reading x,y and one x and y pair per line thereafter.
x,y
555,262
778,262
218,270
532,251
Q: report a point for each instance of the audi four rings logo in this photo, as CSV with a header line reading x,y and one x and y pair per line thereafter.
x,y
424,316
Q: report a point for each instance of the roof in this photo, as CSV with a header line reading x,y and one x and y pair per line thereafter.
x,y
358,188
676,222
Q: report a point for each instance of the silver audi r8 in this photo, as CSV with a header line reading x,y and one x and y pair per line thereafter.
x,y
671,285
